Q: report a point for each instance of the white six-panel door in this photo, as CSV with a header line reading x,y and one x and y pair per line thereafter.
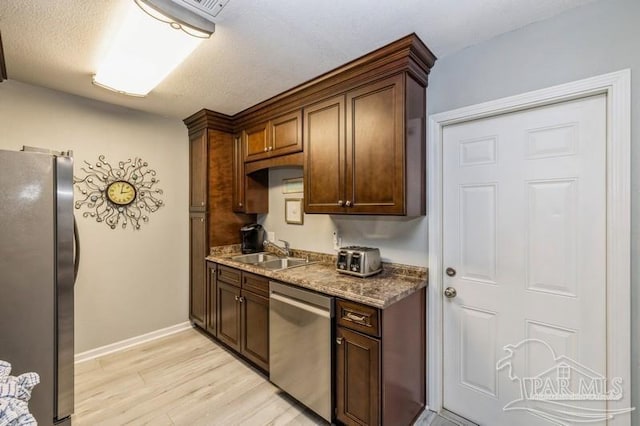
x,y
524,229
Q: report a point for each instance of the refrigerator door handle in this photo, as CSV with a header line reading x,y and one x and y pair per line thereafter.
x,y
76,250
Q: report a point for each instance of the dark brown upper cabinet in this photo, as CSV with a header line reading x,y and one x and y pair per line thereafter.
x,y
238,176
324,154
285,134
250,192
279,136
256,142
360,149
198,171
362,127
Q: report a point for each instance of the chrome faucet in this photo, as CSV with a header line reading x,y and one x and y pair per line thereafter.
x,y
283,250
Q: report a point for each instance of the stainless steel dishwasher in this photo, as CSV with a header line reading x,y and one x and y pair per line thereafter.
x,y
300,345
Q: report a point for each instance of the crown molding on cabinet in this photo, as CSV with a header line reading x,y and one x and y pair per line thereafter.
x,y
408,54
205,119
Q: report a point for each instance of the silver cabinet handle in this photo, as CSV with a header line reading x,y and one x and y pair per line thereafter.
x,y
241,299
340,203
237,298
354,317
339,340
266,149
270,148
348,203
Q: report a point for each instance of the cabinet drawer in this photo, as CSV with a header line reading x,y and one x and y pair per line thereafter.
x,y
255,283
355,316
229,275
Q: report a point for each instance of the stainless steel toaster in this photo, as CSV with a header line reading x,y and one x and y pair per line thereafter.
x,y
359,261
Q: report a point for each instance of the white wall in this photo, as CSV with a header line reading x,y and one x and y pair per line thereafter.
x,y
401,240
595,39
129,283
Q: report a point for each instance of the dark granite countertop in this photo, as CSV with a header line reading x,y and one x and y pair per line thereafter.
x,y
394,283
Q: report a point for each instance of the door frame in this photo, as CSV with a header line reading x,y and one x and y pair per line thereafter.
x,y
617,87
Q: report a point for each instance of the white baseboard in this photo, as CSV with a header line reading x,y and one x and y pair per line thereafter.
x,y
133,341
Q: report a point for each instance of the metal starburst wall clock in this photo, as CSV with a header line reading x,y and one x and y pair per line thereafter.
x,y
118,195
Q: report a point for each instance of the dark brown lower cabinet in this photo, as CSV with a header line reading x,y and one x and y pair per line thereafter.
x,y
255,328
211,320
357,378
380,362
238,312
228,315
197,269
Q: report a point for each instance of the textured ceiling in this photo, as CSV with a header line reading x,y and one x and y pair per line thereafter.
x,y
260,48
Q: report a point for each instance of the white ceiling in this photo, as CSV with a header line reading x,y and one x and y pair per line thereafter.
x,y
260,48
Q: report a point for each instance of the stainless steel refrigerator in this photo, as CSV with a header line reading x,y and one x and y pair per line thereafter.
x,y
37,274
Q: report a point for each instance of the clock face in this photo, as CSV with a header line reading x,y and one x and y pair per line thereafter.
x,y
121,193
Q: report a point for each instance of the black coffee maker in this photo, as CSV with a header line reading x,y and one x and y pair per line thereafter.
x,y
252,238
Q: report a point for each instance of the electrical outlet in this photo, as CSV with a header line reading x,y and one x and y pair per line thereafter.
x,y
337,241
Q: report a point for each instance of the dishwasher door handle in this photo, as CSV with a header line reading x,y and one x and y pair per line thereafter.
x,y
301,305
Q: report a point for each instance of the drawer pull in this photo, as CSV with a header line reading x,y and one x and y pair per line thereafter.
x,y
355,318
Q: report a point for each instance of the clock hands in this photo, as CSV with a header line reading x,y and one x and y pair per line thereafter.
x,y
122,189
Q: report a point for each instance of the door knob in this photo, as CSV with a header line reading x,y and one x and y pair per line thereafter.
x,y
340,203
451,272
450,292
348,203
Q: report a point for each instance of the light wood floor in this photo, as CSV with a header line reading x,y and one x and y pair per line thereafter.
x,y
185,379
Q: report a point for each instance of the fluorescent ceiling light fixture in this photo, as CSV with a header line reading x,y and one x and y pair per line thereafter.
x,y
147,47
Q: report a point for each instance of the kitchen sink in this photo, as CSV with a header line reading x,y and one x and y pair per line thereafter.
x,y
284,263
271,261
255,258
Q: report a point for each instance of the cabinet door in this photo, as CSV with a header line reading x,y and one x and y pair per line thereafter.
x,y
238,176
197,276
256,140
228,314
286,134
357,378
375,148
198,171
211,299
324,157
255,328
250,192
